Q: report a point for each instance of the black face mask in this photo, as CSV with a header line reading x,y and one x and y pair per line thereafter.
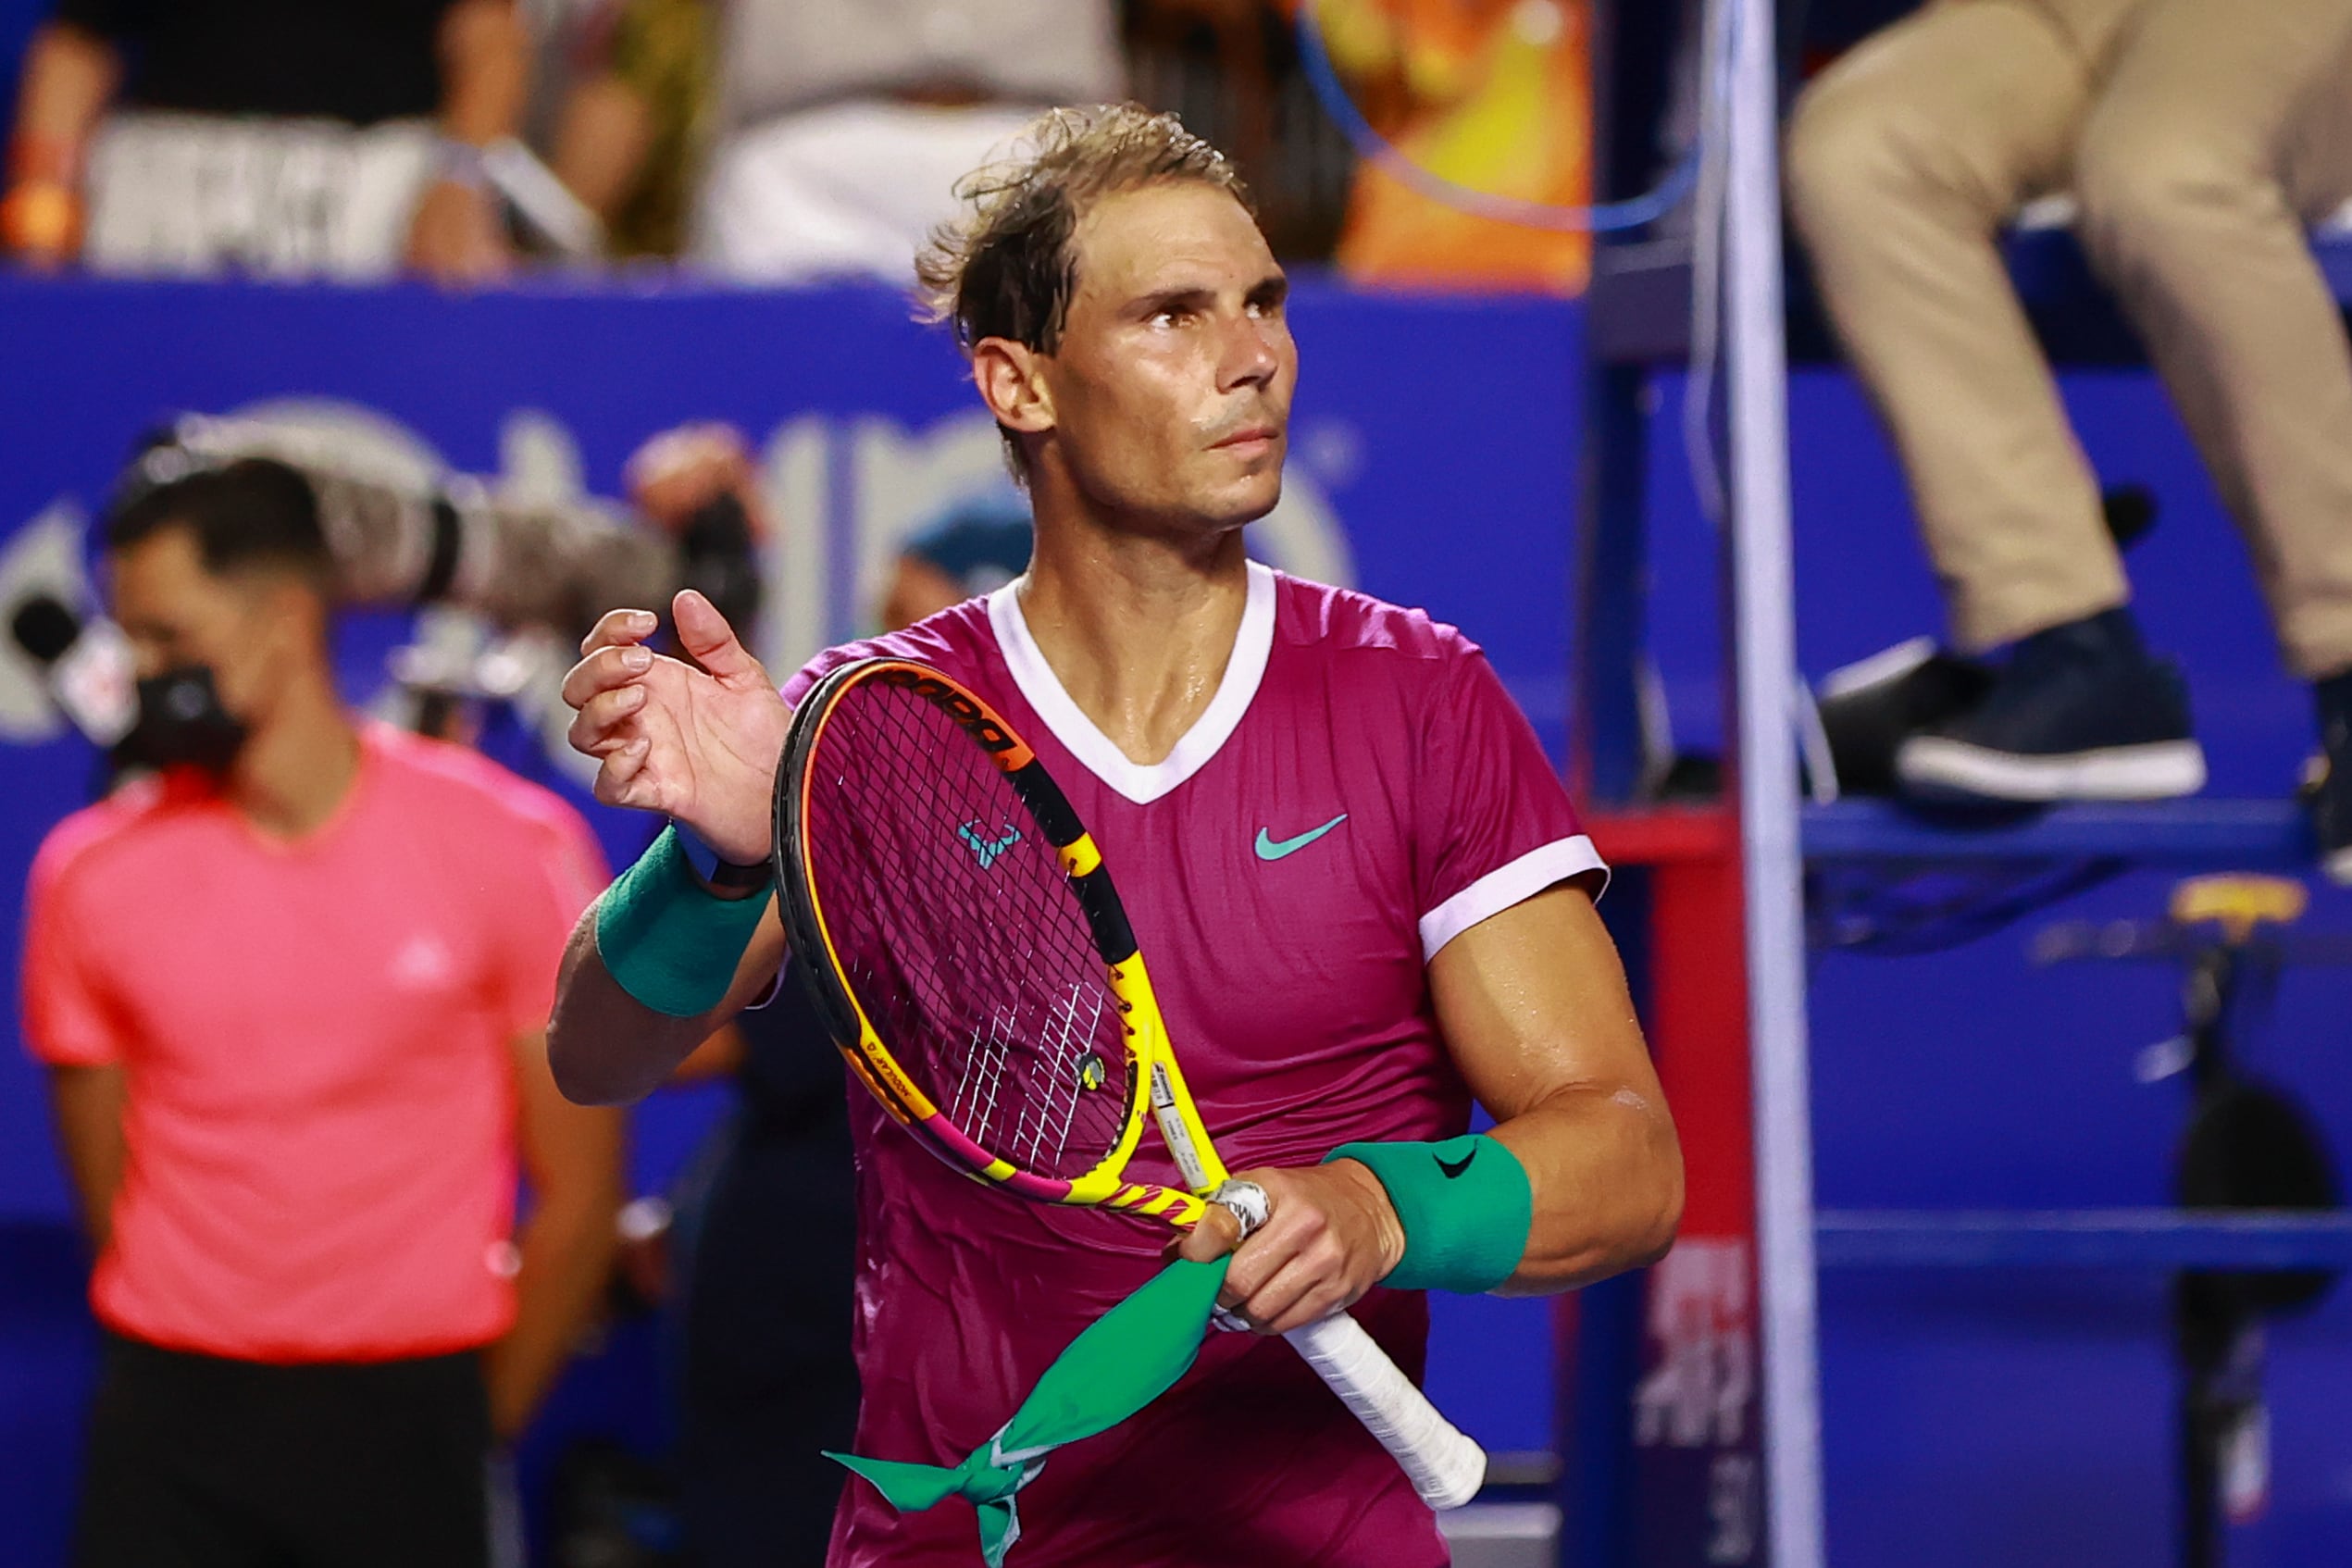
x,y
183,723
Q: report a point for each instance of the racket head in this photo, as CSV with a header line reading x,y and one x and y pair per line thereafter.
x,y
962,937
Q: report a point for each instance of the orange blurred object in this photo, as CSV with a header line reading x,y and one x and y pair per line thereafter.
x,y
1490,95
40,222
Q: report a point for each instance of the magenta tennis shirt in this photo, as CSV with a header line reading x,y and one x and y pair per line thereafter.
x,y
1359,791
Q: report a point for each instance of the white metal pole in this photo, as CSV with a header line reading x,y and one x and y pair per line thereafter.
x,y
1764,629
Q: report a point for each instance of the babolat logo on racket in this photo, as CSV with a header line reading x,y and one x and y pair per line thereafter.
x,y
955,705
986,848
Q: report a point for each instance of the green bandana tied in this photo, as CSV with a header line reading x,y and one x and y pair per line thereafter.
x,y
1128,1357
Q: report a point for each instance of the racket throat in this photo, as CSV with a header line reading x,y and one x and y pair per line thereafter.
x,y
1187,1143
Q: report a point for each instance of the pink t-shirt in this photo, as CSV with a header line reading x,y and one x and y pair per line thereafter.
x,y
317,1043
1359,791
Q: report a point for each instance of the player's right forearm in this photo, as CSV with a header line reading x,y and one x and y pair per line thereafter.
x,y
607,1048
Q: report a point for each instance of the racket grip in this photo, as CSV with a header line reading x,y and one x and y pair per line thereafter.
x,y
1446,1465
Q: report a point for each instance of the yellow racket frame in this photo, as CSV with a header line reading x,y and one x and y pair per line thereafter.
x,y
1154,1076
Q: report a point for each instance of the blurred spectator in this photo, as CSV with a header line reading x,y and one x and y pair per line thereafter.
x,y
2200,137
838,128
291,993
975,547
768,1241
631,132
266,136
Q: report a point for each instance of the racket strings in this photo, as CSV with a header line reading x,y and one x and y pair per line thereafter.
x,y
956,930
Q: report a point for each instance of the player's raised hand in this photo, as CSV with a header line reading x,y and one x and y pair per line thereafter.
x,y
1330,1235
699,744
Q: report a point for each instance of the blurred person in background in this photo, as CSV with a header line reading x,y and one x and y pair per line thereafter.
x,y
767,1244
266,136
632,128
973,548
292,992
2200,137
836,129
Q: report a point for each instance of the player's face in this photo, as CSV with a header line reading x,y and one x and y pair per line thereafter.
x,y
1171,386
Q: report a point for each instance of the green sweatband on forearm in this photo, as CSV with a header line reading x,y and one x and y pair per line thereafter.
x,y
671,943
1465,1205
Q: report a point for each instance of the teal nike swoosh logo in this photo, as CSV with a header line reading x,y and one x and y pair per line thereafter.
x,y
1274,849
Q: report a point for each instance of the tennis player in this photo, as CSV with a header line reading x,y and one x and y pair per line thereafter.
x,y
1367,898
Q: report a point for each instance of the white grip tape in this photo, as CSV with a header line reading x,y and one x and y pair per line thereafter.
x,y
1447,1467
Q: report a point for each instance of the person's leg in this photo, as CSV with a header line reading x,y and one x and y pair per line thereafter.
x,y
384,1465
769,1375
170,1437
2225,131
2189,213
2331,785
1904,161
2318,180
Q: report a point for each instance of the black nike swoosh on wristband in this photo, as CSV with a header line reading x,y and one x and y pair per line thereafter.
x,y
1453,1170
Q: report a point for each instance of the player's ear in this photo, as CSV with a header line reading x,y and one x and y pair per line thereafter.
x,y
1011,377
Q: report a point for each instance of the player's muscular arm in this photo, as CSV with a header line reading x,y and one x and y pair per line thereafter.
x,y
1534,1007
699,745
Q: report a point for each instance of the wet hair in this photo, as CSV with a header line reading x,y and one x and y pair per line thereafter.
x,y
253,515
1005,268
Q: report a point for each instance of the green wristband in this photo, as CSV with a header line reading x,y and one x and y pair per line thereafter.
x,y
671,943
1465,1205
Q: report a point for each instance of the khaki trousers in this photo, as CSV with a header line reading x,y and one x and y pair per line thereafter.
x,y
2200,137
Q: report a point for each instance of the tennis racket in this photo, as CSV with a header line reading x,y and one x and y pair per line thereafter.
x,y
974,962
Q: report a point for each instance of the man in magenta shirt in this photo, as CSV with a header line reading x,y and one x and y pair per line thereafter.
x,y
1364,893
291,991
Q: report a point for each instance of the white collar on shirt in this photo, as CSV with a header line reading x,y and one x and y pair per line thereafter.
x,y
1243,671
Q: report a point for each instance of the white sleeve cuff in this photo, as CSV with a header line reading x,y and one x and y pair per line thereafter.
x,y
1515,883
